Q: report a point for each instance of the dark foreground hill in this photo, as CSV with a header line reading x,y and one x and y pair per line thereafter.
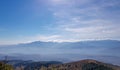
x,y
78,65
83,65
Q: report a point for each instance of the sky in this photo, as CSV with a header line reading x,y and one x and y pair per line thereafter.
x,y
23,21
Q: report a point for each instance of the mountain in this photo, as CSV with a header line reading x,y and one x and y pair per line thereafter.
x,y
30,65
38,65
103,50
83,44
26,65
87,64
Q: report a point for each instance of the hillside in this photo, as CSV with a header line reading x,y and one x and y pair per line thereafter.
x,y
87,64
29,64
4,66
83,65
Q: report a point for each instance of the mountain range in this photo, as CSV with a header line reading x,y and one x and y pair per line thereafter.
x,y
96,43
103,50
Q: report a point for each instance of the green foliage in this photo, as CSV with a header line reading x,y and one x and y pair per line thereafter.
x,y
43,68
53,68
93,66
5,66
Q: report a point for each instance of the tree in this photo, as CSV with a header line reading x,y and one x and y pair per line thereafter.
x,y
4,66
43,68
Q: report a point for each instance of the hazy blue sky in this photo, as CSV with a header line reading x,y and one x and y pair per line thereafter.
x,y
58,20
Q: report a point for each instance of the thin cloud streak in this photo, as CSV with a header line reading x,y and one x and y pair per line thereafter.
x,y
74,20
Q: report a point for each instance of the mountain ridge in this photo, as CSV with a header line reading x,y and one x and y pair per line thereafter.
x,y
80,43
86,64
100,50
64,42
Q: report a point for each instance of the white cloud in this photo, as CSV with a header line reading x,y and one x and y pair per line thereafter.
x,y
78,20
28,39
46,38
82,19
60,2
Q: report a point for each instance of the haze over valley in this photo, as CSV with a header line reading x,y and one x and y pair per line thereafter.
x,y
103,50
59,34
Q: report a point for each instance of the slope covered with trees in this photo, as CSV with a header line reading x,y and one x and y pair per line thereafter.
x,y
4,66
78,65
83,65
